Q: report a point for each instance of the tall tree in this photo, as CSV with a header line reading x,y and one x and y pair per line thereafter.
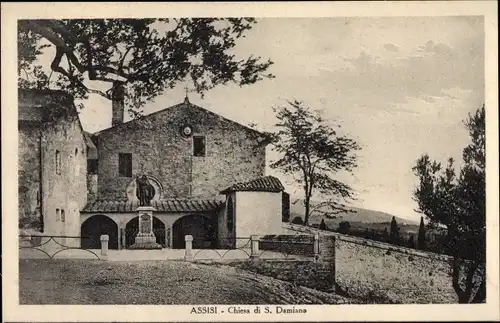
x,y
312,151
421,234
322,225
143,56
458,202
394,233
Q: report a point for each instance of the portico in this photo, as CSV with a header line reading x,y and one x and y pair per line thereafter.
x,y
172,219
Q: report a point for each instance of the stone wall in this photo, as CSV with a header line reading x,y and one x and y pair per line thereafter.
x,y
305,273
226,235
392,275
48,122
29,176
67,190
288,244
158,149
382,272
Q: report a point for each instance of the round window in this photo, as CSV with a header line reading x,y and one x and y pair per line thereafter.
x,y
187,131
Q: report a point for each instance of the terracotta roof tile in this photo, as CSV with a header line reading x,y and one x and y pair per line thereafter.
x,y
262,184
173,205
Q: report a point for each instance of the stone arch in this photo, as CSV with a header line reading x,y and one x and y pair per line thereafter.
x,y
131,187
132,228
94,227
202,227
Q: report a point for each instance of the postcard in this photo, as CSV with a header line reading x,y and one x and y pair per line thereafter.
x,y
182,162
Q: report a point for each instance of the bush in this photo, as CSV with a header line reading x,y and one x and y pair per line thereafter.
x,y
344,227
322,225
297,220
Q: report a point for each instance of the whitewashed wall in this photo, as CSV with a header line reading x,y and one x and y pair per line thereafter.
x,y
258,213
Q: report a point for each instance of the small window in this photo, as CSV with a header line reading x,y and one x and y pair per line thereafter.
x,y
76,151
63,216
230,214
125,165
92,165
58,162
58,215
199,146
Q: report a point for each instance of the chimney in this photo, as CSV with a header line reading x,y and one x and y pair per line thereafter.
x,y
118,103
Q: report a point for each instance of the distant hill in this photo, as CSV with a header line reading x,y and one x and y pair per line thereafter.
x,y
363,218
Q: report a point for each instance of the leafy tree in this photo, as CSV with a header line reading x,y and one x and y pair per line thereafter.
x,y
394,233
297,220
458,202
421,234
312,151
142,56
344,227
323,225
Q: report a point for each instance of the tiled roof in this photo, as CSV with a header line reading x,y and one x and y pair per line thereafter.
x,y
262,184
172,205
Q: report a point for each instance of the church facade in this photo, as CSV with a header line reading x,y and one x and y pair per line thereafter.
x,y
208,175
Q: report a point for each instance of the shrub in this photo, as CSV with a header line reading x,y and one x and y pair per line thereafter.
x,y
344,227
297,220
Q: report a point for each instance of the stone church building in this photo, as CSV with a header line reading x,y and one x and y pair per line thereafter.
x,y
208,173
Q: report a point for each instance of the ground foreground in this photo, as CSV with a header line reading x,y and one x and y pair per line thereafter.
x,y
44,281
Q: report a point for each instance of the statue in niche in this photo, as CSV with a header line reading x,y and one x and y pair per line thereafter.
x,y
144,190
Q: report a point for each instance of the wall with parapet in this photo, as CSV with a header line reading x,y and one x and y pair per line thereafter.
x,y
385,273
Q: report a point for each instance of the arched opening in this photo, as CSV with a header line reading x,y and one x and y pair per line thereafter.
x,y
94,227
201,227
132,228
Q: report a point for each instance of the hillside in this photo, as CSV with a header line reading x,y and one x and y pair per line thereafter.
x,y
363,218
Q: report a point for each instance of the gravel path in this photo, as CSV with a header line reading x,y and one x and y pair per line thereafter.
x,y
44,281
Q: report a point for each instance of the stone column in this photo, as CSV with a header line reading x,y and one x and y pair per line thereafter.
x,y
104,245
145,239
188,252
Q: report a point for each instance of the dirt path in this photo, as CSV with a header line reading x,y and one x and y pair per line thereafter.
x,y
155,282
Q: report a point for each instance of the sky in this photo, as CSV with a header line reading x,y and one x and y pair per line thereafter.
x,y
400,87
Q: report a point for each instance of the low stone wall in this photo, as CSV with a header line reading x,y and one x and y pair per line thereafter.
x,y
384,273
392,276
316,275
288,244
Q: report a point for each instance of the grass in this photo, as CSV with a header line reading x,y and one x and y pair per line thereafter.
x,y
65,281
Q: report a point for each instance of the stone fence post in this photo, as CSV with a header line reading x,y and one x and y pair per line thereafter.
x,y
316,247
327,252
255,247
104,245
188,252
